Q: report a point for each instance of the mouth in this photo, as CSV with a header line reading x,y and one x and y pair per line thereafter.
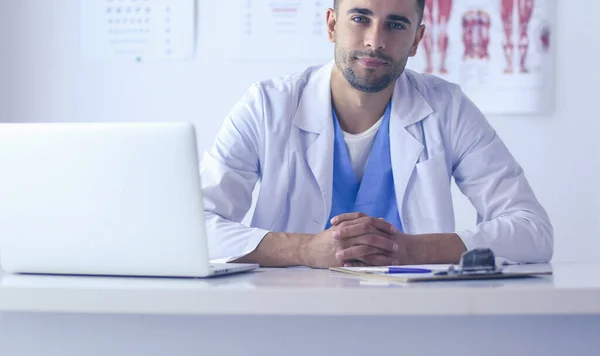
x,y
370,62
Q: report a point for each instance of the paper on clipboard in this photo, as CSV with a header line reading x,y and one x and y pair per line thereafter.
x,y
517,271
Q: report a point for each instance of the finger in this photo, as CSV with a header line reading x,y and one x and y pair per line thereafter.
x,y
379,224
385,244
346,217
379,260
356,253
352,228
355,264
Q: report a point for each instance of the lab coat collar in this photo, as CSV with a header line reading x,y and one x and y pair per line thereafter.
x,y
408,104
314,110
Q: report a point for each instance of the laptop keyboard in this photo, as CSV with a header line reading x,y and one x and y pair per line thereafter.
x,y
219,266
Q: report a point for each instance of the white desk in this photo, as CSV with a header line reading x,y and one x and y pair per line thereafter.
x,y
300,312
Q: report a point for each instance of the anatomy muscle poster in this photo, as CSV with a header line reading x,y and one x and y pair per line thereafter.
x,y
501,52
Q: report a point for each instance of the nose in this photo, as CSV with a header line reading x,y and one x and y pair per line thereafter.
x,y
374,38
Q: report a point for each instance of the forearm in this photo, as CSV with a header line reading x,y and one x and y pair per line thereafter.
x,y
279,249
435,249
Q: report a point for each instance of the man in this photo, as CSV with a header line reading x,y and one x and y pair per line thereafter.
x,y
355,160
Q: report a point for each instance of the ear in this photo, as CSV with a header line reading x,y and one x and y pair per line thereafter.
x,y
331,21
418,37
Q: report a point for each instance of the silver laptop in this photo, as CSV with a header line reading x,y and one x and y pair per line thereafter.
x,y
118,199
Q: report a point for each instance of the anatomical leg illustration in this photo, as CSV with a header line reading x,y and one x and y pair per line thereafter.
x,y
428,37
506,13
436,26
524,9
545,37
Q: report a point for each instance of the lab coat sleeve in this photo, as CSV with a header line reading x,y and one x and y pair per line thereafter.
x,y
510,220
229,171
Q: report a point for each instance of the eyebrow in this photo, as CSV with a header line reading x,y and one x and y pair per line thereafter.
x,y
392,17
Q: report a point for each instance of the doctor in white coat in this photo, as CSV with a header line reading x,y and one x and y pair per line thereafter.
x,y
355,160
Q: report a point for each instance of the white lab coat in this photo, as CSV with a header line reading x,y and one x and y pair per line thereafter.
x,y
281,134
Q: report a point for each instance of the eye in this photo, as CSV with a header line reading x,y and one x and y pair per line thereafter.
x,y
396,26
359,19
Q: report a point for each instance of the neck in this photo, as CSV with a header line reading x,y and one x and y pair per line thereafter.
x,y
356,110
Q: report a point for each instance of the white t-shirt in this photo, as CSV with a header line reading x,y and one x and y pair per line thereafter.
x,y
359,147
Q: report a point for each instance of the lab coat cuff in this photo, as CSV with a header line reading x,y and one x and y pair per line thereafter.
x,y
256,237
472,241
469,238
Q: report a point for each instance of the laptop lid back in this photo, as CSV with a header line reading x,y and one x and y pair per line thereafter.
x,y
101,198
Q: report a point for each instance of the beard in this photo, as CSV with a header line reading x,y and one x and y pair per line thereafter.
x,y
368,83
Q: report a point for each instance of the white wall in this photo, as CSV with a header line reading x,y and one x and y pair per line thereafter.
x,y
44,78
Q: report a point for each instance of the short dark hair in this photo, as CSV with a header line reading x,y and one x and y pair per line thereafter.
x,y
420,7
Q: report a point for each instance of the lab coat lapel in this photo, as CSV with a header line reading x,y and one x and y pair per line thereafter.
x,y
408,108
315,121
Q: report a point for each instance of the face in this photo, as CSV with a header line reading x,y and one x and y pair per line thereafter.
x,y
373,40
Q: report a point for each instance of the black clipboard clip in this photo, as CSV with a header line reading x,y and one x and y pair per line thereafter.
x,y
479,261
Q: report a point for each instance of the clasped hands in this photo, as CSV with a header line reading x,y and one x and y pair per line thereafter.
x,y
357,239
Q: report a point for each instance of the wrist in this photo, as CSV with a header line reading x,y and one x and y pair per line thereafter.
x,y
296,247
303,256
415,250
434,249
279,249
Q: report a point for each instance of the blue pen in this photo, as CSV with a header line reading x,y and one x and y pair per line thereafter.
x,y
393,270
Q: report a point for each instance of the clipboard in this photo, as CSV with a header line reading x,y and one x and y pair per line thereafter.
x,y
477,264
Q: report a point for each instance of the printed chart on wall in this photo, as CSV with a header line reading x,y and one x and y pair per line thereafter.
x,y
140,30
279,30
500,51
